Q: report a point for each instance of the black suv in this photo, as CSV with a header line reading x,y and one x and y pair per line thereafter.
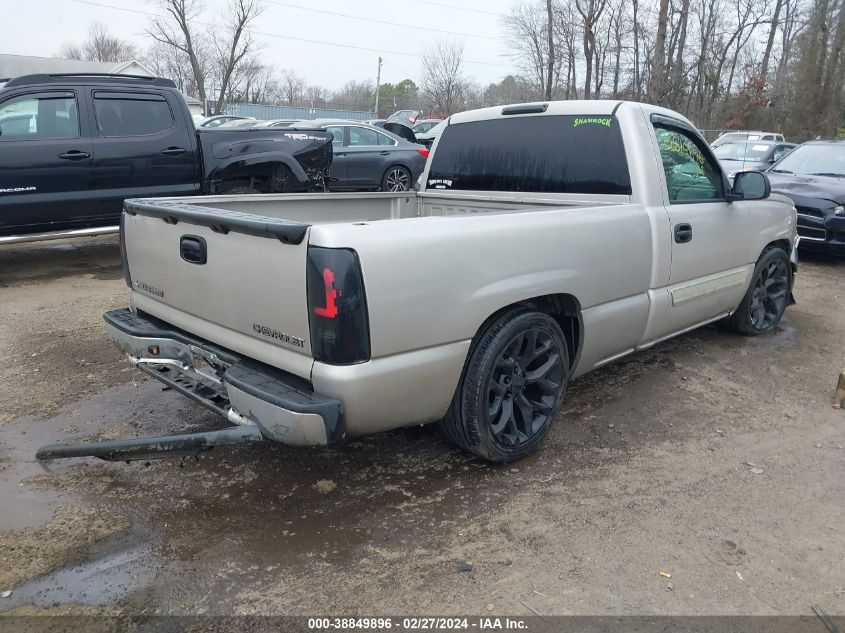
x,y
73,147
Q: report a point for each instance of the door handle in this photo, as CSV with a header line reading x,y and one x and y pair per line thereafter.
x,y
193,249
384,153
340,153
75,154
173,151
683,233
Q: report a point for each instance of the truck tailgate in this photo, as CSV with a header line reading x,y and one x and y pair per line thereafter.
x,y
235,279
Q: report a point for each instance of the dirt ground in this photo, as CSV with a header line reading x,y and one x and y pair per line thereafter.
x,y
716,459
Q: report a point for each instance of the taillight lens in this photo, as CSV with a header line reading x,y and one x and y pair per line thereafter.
x,y
424,152
127,277
337,307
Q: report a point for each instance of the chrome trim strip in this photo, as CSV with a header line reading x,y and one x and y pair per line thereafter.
x,y
58,235
704,287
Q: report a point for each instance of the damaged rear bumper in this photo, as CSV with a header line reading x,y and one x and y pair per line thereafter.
x,y
283,407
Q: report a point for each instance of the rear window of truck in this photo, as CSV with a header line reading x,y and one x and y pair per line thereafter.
x,y
551,154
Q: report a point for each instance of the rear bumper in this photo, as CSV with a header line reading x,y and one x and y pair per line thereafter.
x,y
284,407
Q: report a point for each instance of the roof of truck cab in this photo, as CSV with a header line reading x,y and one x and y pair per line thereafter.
x,y
594,107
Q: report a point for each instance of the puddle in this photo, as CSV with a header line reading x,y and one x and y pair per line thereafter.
x,y
24,505
114,412
104,581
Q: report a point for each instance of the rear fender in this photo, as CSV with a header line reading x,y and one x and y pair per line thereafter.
x,y
264,159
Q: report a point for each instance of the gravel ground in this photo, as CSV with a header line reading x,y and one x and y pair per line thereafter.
x,y
716,459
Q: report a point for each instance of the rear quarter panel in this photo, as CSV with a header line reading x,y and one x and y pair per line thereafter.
x,y
435,280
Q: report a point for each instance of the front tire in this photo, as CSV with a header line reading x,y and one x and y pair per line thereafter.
x,y
512,387
767,297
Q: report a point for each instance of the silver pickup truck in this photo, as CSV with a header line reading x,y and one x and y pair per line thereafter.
x,y
545,240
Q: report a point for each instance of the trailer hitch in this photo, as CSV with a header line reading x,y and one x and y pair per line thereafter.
x,y
154,447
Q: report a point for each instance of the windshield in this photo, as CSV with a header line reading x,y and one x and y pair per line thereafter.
x,y
741,151
808,160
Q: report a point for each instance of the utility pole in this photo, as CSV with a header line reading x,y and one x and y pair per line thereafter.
x,y
378,86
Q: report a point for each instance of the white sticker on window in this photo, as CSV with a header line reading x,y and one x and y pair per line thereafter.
x,y
760,148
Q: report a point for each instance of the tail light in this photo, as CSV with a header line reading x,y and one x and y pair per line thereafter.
x,y
424,152
337,307
127,277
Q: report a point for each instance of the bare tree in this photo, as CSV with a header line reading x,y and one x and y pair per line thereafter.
x,y
232,43
773,28
100,46
179,31
550,38
532,43
292,87
442,79
591,12
215,52
166,61
658,60
315,95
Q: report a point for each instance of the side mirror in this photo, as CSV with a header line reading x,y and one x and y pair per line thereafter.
x,y
750,185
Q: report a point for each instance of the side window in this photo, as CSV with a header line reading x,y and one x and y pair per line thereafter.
x,y
337,135
131,115
780,152
691,174
362,136
384,139
50,115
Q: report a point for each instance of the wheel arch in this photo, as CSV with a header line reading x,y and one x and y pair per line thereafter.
x,y
562,307
785,246
261,165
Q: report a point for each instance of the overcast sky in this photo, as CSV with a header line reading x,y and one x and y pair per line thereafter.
x,y
40,27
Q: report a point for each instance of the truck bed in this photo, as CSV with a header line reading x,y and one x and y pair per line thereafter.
x,y
331,208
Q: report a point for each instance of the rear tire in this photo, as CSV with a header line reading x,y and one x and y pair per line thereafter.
x,y
396,178
511,388
763,305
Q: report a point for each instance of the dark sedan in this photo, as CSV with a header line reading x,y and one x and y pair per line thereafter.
x,y
813,175
750,155
368,157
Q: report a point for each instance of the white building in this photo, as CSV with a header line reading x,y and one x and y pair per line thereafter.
x,y
18,65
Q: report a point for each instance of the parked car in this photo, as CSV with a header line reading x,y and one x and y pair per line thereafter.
x,y
813,176
406,117
240,123
73,147
368,157
275,123
219,119
378,122
428,138
424,125
735,137
475,301
750,155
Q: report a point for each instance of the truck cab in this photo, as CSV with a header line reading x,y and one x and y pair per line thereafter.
x,y
74,147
